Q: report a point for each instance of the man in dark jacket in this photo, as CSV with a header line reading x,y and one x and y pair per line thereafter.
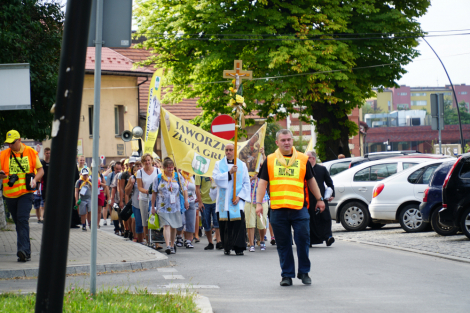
x,y
320,223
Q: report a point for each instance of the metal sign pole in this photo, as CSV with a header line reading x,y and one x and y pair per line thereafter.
x,y
96,144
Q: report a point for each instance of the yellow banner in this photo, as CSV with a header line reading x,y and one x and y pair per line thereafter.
x,y
196,151
310,146
153,111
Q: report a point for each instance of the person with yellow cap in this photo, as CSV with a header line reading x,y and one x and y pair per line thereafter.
x,y
18,165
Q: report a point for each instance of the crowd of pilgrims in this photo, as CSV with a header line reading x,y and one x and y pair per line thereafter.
x,y
182,206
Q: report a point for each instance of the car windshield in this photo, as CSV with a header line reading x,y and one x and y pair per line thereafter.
x,y
339,167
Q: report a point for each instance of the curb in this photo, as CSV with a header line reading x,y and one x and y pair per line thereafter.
x,y
162,261
437,255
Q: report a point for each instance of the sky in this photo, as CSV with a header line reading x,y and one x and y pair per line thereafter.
x,y
426,70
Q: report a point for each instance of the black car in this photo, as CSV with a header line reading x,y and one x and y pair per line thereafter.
x,y
455,210
432,200
378,156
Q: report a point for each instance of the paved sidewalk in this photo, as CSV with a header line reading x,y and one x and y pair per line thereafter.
x,y
114,253
392,235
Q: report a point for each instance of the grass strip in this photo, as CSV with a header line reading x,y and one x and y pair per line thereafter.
x,y
108,300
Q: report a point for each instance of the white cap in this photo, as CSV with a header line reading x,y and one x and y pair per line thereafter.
x,y
132,159
84,171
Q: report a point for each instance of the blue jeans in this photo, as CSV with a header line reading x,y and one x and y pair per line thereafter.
x,y
282,220
209,211
139,228
20,209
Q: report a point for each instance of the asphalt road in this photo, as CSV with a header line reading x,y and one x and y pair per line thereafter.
x,y
347,277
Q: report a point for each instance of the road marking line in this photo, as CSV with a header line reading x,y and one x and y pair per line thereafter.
x,y
186,286
167,270
173,276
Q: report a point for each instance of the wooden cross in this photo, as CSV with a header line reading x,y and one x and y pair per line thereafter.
x,y
238,73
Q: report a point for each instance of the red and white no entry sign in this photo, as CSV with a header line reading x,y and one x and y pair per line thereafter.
x,y
223,126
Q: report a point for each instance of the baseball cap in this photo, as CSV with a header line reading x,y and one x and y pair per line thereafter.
x,y
132,159
12,135
84,171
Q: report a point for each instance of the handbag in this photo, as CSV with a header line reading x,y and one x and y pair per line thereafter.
x,y
126,212
29,176
114,215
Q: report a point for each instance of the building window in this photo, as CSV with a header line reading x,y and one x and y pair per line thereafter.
x,y
90,119
118,120
403,106
419,102
418,94
403,93
463,93
447,93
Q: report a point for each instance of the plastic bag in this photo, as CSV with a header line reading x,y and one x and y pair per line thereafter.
x,y
154,223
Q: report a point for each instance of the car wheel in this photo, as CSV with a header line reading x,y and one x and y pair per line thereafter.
x,y
354,216
411,219
439,228
465,222
376,225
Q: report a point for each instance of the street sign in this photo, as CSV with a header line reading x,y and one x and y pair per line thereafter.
x,y
437,111
223,126
102,158
117,23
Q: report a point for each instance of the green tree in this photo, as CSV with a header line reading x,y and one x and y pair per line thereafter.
x,y
368,109
451,116
312,46
31,32
270,138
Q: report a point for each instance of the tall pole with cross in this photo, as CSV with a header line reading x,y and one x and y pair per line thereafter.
x,y
238,75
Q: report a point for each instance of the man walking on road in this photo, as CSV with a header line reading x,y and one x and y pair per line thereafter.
x,y
231,216
18,164
287,170
320,224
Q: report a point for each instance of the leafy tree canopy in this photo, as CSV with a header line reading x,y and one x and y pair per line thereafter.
x,y
31,32
325,55
451,116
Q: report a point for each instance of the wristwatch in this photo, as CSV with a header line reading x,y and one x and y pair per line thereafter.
x,y
321,199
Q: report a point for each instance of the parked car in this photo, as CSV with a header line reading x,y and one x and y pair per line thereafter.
x,y
337,166
398,197
353,189
374,156
456,196
432,200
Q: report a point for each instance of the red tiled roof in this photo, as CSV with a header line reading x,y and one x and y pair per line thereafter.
x,y
112,61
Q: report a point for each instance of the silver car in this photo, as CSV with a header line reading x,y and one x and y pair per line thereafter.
x,y
354,188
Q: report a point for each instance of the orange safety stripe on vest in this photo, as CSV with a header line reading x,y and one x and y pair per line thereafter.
x,y
19,188
287,190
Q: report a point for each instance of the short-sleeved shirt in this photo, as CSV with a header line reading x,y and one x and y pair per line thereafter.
x,y
164,193
263,174
146,181
114,184
205,184
37,164
87,192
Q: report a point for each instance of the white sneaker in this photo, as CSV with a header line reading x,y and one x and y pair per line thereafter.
x,y
172,250
252,249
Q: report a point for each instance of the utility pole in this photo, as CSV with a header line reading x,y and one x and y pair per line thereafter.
x,y
96,144
55,235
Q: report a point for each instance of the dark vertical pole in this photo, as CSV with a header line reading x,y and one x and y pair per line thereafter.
x,y
462,142
55,236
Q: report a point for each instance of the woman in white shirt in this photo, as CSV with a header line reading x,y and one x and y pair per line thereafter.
x,y
145,177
